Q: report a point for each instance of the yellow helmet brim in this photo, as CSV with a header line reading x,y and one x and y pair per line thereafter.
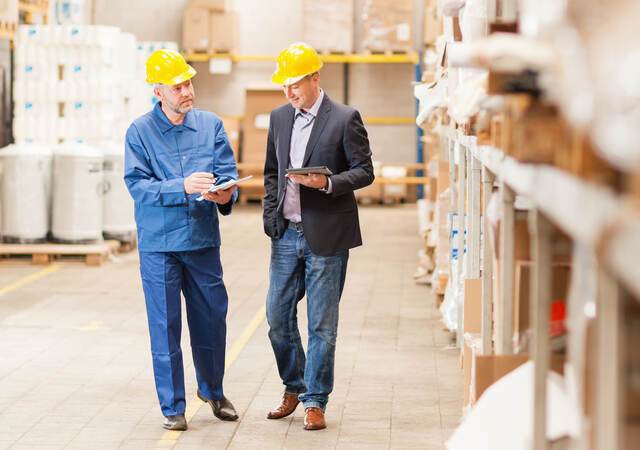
x,y
184,76
280,78
284,81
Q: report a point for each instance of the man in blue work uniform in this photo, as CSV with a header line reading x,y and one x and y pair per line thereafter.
x,y
174,154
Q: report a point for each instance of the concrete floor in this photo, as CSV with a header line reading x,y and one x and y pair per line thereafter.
x,y
75,365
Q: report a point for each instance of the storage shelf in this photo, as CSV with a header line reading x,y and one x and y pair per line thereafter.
x,y
368,120
593,215
397,58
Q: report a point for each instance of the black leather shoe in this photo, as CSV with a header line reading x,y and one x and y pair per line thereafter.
x,y
223,409
175,423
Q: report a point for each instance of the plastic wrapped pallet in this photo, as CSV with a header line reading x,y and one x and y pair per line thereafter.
x,y
118,221
9,12
320,16
78,189
387,25
26,193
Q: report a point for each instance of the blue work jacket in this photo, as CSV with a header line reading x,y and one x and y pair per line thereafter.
x,y
158,157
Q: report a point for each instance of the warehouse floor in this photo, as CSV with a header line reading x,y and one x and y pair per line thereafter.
x,y
75,365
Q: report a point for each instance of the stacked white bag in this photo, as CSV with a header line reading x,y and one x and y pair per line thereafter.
x,y
70,82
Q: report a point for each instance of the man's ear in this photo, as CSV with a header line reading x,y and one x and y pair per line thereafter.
x,y
157,93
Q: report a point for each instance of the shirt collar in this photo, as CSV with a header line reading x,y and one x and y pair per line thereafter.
x,y
165,124
316,106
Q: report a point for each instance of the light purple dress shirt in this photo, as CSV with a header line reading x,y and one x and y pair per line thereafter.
x,y
302,125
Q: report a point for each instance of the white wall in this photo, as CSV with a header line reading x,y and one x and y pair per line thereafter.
x,y
265,27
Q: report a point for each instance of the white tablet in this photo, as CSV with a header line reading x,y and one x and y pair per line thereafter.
x,y
226,185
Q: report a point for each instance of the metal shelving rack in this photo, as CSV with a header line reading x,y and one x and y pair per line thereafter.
x,y
346,59
604,227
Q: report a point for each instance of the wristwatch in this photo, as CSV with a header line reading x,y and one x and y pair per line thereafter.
x,y
326,186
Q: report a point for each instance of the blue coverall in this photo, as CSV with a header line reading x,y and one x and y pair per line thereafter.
x,y
179,245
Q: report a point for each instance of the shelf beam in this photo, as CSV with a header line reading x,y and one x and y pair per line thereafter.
x,y
351,58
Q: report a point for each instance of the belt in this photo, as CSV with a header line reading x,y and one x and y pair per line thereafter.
x,y
296,226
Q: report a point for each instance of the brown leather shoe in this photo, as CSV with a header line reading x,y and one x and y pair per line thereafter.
x,y
286,406
314,419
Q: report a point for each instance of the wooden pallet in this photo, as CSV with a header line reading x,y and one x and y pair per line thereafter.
x,y
244,199
328,52
127,243
43,254
388,52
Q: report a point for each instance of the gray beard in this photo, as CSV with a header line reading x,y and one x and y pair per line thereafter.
x,y
184,110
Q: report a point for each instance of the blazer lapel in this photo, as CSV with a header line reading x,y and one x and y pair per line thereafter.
x,y
285,145
318,127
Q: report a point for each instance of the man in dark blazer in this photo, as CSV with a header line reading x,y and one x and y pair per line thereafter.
x,y
312,220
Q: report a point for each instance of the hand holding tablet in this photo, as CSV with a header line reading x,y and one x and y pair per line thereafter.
x,y
322,170
226,185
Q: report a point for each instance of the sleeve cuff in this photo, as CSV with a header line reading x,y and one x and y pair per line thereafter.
x,y
329,188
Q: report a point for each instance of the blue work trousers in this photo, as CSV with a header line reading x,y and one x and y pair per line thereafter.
x,y
295,269
197,274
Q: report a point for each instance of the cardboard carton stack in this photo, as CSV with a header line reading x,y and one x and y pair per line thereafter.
x,y
387,25
232,128
319,17
432,23
260,100
209,26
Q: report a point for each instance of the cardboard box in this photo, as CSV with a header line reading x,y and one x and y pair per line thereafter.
x,y
223,27
432,25
387,25
260,100
232,128
472,316
318,17
195,30
540,136
211,5
442,183
487,369
560,278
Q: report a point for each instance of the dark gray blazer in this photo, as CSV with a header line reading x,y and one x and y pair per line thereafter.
x,y
339,141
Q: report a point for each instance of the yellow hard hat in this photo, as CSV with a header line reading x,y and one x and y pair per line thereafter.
x,y
295,62
168,67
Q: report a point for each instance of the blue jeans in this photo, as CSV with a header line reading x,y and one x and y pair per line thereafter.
x,y
295,269
198,274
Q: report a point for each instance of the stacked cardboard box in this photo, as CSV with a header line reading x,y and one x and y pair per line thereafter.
x,y
209,26
320,16
232,128
387,25
260,100
432,23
